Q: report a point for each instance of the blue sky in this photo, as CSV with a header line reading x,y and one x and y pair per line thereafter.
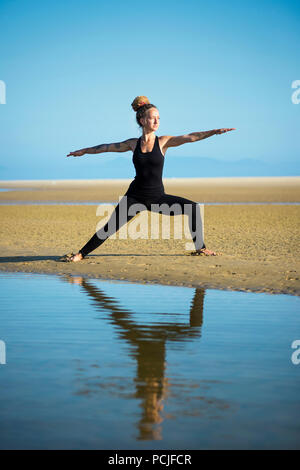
x,y
72,68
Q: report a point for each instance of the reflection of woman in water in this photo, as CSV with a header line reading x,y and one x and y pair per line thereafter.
x,y
147,187
148,347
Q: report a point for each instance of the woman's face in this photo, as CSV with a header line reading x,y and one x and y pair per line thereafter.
x,y
151,121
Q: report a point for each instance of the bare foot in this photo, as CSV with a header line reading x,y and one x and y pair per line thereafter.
x,y
71,257
204,251
77,257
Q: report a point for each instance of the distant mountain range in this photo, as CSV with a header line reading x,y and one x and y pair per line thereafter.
x,y
175,167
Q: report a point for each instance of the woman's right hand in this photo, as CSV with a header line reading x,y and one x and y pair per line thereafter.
x,y
77,153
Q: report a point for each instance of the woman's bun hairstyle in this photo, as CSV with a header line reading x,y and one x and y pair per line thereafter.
x,y
140,105
139,101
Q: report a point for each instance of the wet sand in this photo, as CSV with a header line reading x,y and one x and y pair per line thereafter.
x,y
258,245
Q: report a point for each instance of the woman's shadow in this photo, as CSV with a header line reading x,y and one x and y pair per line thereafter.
x,y
30,258
26,259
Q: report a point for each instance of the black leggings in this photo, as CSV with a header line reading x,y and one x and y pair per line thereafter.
x,y
114,223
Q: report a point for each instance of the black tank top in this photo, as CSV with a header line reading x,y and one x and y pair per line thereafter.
x,y
149,169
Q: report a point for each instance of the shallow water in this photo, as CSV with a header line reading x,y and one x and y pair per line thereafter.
x,y
114,365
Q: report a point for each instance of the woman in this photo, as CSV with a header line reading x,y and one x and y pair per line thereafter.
x,y
147,187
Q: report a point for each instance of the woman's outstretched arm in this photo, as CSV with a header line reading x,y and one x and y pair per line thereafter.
x,y
116,147
175,141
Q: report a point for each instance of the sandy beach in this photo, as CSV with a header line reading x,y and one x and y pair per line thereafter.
x,y
257,244
247,189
